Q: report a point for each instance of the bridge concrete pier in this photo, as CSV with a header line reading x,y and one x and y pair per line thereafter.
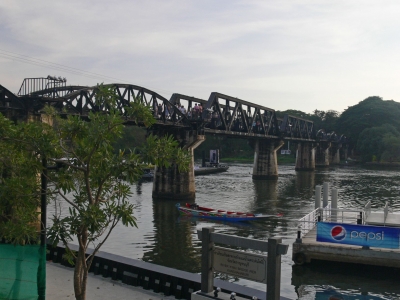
x,y
305,158
322,154
265,159
169,183
344,151
334,155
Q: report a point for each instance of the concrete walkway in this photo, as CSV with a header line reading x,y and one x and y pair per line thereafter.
x,y
59,286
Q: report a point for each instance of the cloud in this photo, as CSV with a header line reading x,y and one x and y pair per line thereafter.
x,y
297,52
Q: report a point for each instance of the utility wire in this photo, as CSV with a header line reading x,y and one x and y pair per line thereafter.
x,y
59,67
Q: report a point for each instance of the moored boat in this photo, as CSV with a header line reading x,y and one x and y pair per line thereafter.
x,y
212,166
210,169
148,175
194,210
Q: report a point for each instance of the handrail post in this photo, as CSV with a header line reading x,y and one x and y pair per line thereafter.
x,y
359,219
317,197
298,239
325,194
273,269
207,279
334,202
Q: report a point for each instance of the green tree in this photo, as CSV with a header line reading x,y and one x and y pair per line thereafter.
x,y
21,147
132,137
294,113
322,119
90,181
371,141
392,148
371,112
325,120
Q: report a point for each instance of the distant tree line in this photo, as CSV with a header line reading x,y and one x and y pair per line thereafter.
x,y
372,127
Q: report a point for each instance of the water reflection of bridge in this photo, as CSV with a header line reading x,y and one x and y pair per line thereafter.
x,y
189,120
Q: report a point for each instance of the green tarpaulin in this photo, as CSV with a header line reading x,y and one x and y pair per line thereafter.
x,y
22,272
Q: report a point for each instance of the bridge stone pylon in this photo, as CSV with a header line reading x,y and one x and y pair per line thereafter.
x,y
265,158
305,158
334,154
169,183
322,154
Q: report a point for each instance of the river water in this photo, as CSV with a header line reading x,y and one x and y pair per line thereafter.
x,y
165,238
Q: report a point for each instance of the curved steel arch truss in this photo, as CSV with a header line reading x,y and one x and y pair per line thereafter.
x,y
82,100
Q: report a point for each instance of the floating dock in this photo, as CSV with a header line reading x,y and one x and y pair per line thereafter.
x,y
375,235
210,169
309,249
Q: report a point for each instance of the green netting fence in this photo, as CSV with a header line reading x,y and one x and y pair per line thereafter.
x,y
22,272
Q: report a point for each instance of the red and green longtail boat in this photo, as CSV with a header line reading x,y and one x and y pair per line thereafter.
x,y
193,210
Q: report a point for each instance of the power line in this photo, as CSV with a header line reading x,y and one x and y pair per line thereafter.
x,y
55,66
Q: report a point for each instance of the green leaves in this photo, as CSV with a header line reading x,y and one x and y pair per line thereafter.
x,y
91,183
371,112
375,141
85,174
164,152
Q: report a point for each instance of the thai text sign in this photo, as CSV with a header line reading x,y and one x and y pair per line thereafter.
x,y
360,235
240,264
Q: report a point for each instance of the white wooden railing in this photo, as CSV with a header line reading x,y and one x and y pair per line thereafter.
x,y
307,223
385,212
367,209
328,214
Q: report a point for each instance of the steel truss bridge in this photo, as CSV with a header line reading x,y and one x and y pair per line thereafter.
x,y
221,114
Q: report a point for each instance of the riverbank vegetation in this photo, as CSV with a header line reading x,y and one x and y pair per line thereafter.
x,y
87,178
372,128
235,150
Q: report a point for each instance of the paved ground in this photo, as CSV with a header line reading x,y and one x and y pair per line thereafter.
x,y
59,286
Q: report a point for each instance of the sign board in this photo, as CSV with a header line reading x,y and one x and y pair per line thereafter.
x,y
214,156
286,152
241,264
360,235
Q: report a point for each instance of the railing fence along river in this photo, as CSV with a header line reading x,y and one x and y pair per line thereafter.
x,y
164,238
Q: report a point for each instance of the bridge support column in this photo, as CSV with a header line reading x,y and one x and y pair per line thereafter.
x,y
265,159
305,158
170,184
344,151
334,156
322,154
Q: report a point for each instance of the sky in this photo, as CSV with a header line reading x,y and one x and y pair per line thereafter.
x,y
301,55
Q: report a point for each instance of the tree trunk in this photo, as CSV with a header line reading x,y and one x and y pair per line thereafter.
x,y
81,271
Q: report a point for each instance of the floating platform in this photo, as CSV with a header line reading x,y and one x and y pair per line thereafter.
x,y
357,236
309,249
210,170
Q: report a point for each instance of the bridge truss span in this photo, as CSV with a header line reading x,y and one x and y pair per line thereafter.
x,y
297,128
81,100
221,114
226,115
